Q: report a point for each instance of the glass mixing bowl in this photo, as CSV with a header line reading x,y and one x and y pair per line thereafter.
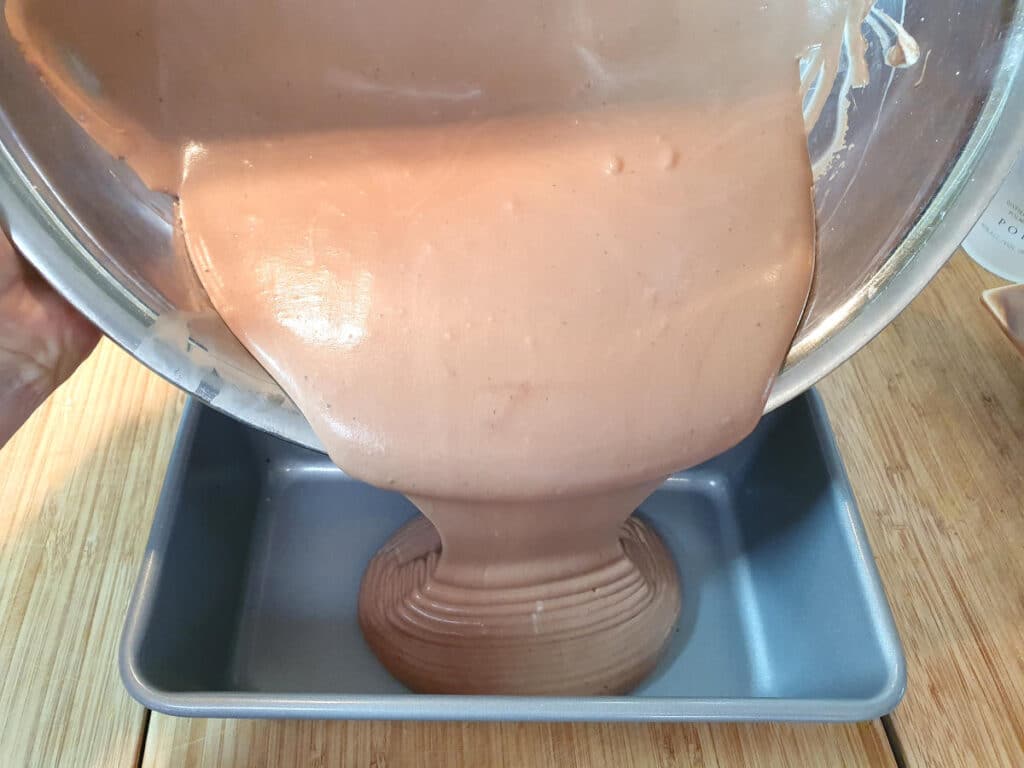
x,y
926,148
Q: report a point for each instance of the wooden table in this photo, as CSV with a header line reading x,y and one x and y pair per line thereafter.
x,y
930,420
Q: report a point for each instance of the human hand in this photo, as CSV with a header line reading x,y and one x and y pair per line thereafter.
x,y
42,339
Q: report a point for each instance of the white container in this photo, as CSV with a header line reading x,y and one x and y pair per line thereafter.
x,y
997,240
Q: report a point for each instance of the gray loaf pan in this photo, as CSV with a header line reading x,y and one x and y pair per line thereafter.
x,y
246,603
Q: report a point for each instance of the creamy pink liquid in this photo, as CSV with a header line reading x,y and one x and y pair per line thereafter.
x,y
519,261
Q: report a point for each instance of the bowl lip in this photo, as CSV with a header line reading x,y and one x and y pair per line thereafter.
x,y
970,186
61,256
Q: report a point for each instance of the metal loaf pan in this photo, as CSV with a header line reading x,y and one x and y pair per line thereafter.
x,y
246,603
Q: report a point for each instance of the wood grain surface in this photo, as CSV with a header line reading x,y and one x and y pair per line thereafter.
x,y
930,422
195,743
930,419
78,486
